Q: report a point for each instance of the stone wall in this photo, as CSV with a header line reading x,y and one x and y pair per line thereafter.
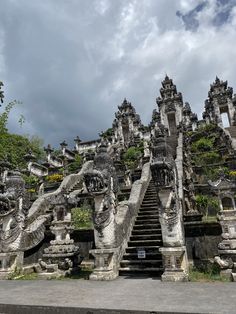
x,y
202,241
83,238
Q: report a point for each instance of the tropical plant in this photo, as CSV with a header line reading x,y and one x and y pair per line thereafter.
x,y
82,217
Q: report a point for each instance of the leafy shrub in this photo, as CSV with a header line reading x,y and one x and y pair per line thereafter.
x,y
203,144
205,202
76,164
207,158
108,133
31,180
54,177
82,218
207,128
132,156
213,173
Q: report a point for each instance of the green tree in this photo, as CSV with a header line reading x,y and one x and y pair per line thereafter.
x,y
4,116
14,146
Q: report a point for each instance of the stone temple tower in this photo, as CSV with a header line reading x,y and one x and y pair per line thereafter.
x,y
170,106
220,102
127,124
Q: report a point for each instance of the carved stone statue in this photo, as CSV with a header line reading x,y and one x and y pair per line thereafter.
x,y
101,182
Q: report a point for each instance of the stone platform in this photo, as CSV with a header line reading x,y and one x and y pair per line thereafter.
x,y
123,295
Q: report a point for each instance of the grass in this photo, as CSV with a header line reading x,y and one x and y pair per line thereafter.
x,y
212,274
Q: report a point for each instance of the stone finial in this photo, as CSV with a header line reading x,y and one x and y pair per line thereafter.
x,y
30,156
48,149
167,78
77,139
1,92
217,80
187,108
63,144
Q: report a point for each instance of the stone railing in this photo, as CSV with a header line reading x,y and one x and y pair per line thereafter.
x,y
42,204
107,261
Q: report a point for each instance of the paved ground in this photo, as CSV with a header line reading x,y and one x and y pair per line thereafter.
x,y
149,295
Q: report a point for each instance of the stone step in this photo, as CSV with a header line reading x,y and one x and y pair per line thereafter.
x,y
151,191
149,200
143,243
148,249
151,205
148,194
146,231
147,217
138,237
140,269
143,264
74,188
232,131
148,223
140,261
147,226
149,208
149,256
148,212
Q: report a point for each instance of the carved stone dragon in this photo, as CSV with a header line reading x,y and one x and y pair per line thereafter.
x,y
15,233
101,182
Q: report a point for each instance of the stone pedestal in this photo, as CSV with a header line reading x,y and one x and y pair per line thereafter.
x,y
227,247
175,264
106,267
61,258
10,262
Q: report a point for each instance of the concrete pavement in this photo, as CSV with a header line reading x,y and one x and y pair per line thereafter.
x,y
146,295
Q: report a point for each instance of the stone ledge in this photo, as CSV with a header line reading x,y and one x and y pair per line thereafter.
x,y
29,309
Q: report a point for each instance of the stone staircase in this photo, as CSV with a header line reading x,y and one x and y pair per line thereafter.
x,y
75,187
232,131
146,235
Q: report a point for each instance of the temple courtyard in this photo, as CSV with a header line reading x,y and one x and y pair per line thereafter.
x,y
123,295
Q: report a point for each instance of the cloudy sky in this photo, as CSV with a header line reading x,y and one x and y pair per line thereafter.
x,y
72,62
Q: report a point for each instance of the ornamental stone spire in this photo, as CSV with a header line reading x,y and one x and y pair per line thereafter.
x,y
170,105
220,101
1,92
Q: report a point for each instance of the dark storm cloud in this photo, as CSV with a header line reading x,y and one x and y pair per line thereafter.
x,y
72,62
190,18
224,8
220,16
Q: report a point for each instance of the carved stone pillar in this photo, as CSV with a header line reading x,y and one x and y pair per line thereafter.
x,y
175,263
106,266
